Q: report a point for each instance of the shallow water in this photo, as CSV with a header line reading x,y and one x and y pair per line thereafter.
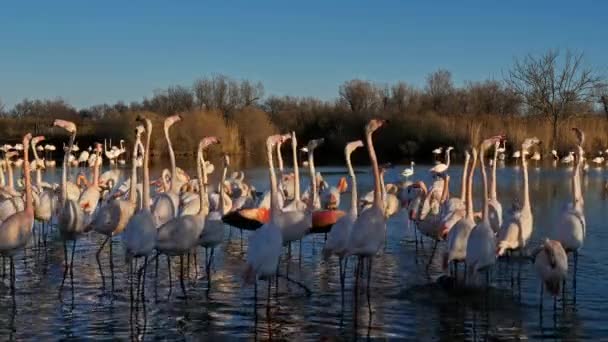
x,y
405,301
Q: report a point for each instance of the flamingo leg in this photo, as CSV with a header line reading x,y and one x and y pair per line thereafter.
x,y
12,261
143,281
428,264
209,263
268,297
540,301
169,270
181,275
72,264
111,262
340,261
66,264
574,275
97,254
369,281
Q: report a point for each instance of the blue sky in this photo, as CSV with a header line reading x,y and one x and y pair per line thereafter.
x,y
89,53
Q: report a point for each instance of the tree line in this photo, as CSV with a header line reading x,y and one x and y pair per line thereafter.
x,y
542,95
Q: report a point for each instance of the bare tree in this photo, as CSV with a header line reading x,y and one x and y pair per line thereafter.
x,y
361,96
1,108
439,88
601,91
550,87
250,93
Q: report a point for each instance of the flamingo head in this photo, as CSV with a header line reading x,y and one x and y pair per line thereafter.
x,y
139,130
170,121
67,125
353,145
272,140
374,124
208,141
491,141
314,143
36,140
285,137
294,140
580,135
342,185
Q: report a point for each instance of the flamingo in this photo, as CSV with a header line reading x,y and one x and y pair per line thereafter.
x,y
83,158
518,228
437,152
265,243
339,234
139,235
71,216
213,234
180,234
568,159
495,208
409,171
44,198
455,208
551,263
536,157
501,151
90,196
112,218
49,162
554,155
13,201
481,246
572,228
441,167
516,155
16,230
330,197
369,230
166,205
458,235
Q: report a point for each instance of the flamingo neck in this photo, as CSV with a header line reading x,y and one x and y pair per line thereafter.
x,y
577,199
133,187
484,177
313,179
172,159
376,170
2,179
221,189
146,180
296,169
29,200
9,169
274,196
470,209
64,171
201,170
280,160
447,157
96,174
524,164
351,172
463,182
494,180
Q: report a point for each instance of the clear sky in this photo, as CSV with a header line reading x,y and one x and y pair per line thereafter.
x,y
89,52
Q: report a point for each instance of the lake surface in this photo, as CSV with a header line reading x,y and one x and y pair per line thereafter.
x,y
405,300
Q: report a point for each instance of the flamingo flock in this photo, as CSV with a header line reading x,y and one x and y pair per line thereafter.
x,y
184,214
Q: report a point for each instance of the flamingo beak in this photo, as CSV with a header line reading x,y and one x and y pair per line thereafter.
x,y
342,185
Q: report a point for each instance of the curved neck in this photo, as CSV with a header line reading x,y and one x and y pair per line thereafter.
x,y
463,182
524,164
313,179
447,157
29,201
172,159
296,168
96,169
9,173
274,200
376,170
382,186
133,187
577,198
484,177
470,188
493,184
280,159
146,181
2,179
38,165
221,188
351,172
446,190
64,171
201,170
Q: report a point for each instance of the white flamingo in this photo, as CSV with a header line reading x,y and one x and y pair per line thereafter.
x,y
166,204
71,216
516,232
266,243
16,230
551,263
181,234
458,236
408,171
572,228
495,208
338,236
139,235
369,230
481,247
